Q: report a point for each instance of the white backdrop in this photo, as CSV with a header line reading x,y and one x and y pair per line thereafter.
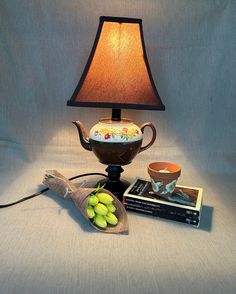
x,y
191,47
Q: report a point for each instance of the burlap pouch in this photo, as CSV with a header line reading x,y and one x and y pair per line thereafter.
x,y
61,186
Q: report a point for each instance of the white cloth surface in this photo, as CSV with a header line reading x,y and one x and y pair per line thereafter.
x,y
45,245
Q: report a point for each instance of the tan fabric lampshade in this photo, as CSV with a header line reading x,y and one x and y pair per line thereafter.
x,y
117,73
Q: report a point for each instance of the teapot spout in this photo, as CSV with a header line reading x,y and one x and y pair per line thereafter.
x,y
83,135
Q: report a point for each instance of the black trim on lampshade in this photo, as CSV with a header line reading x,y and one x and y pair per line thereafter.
x,y
73,102
120,19
162,106
115,105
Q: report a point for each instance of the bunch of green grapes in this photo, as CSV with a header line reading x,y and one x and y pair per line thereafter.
x,y
100,209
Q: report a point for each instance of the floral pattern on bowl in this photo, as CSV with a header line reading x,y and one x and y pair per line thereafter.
x,y
167,189
156,185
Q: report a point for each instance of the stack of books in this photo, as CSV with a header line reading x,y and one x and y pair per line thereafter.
x,y
184,205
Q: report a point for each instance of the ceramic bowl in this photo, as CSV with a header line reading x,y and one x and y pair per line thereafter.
x,y
164,176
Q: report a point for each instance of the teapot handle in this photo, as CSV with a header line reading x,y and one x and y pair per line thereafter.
x,y
142,127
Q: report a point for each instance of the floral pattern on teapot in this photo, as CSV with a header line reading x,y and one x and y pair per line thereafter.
x,y
116,133
124,133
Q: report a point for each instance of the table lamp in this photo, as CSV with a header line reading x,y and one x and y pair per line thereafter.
x,y
117,75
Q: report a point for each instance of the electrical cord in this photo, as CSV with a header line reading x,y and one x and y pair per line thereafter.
x,y
46,189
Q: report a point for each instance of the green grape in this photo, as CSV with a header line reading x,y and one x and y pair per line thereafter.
x,y
100,221
111,207
111,218
90,212
105,198
93,200
101,209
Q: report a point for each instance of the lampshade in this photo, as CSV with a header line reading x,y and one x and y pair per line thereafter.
x,y
117,73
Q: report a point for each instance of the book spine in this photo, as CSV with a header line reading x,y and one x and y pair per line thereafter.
x,y
187,220
188,213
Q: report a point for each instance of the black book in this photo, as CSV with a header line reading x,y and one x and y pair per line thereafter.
x,y
174,217
183,205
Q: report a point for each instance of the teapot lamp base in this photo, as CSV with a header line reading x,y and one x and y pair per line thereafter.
x,y
113,182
